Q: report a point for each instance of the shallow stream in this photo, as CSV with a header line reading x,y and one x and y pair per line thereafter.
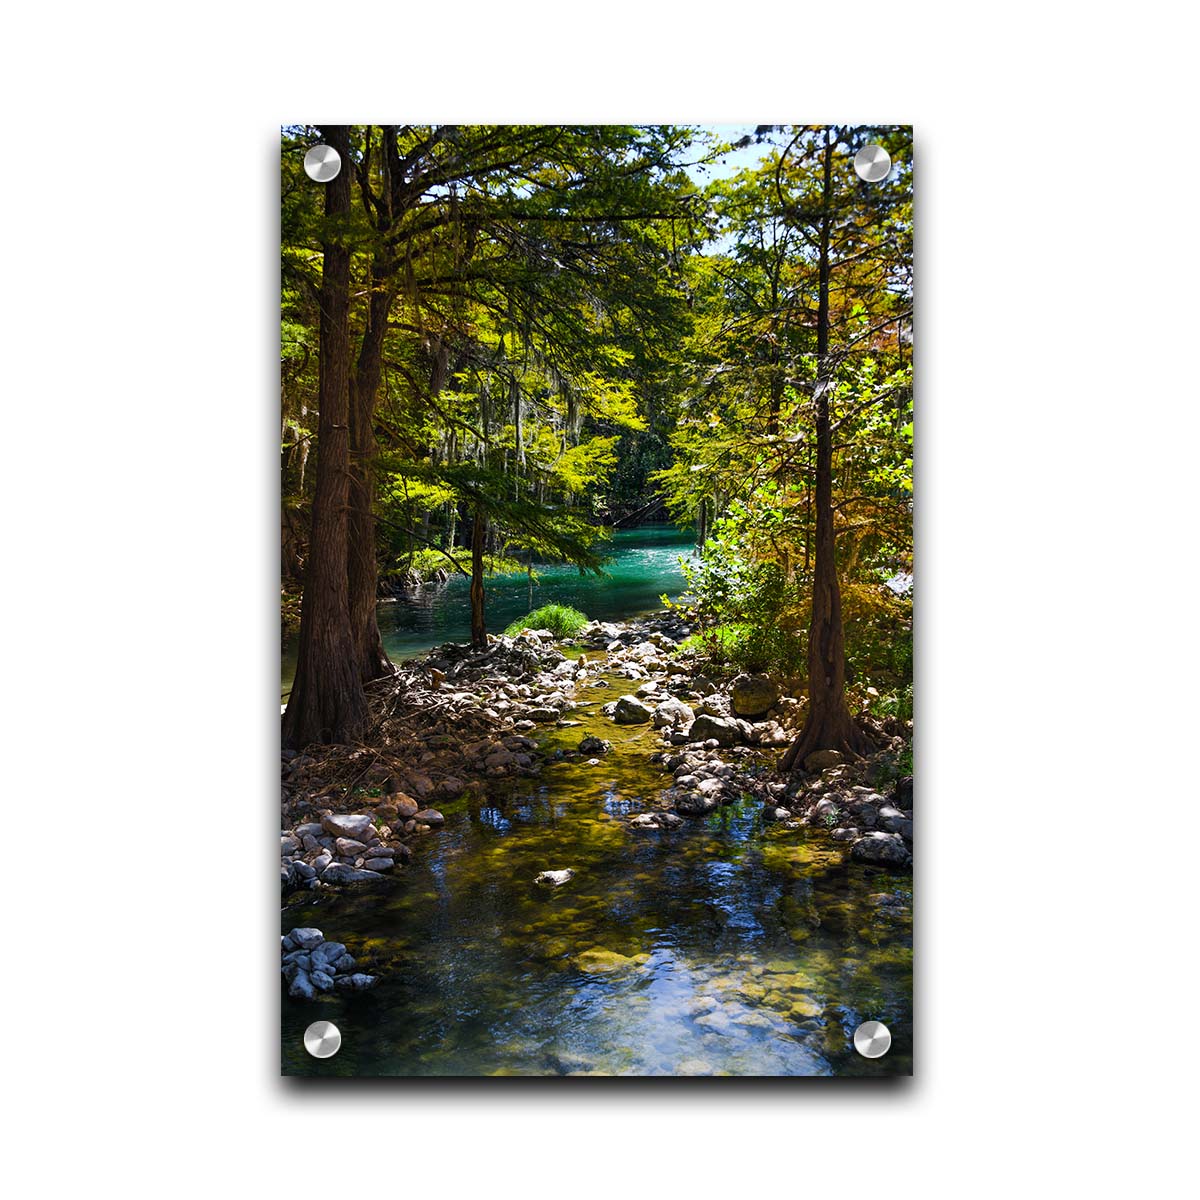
x,y
726,947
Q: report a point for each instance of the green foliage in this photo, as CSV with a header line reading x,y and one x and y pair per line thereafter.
x,y
897,704
752,615
426,564
879,648
562,621
289,611
574,326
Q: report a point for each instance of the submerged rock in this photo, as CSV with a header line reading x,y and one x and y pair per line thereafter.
x,y
599,961
341,873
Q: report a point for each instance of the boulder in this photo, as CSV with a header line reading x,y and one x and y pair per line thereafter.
x,y
594,745
430,816
348,847
892,820
705,727
673,714
753,695
819,760
643,651
904,793
348,825
555,878
881,849
629,710
306,939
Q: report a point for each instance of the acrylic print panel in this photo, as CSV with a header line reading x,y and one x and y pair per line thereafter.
x,y
596,583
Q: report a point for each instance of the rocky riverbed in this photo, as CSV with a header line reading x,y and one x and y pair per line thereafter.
x,y
461,720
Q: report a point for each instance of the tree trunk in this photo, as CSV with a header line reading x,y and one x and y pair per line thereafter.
x,y
478,623
363,565
828,725
327,703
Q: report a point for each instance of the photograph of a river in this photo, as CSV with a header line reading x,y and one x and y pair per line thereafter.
x,y
727,946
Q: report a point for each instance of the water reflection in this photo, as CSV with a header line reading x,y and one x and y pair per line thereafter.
x,y
721,948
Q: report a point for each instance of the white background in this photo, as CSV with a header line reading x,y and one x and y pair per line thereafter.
x,y
1056,183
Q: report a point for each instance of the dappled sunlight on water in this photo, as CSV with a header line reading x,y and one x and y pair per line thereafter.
x,y
720,948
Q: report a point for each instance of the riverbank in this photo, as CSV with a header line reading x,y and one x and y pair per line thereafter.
x,y
458,721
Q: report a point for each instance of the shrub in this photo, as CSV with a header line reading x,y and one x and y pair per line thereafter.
x,y
562,621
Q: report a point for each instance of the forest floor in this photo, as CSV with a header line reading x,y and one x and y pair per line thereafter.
x,y
460,721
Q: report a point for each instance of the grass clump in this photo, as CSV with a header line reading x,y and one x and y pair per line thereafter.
x,y
562,621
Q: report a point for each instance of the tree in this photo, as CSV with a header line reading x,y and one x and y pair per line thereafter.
x,y
793,435
327,703
828,724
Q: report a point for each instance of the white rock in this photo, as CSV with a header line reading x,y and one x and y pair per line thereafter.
x,y
348,825
555,878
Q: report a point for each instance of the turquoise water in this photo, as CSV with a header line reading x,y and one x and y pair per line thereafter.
x,y
644,565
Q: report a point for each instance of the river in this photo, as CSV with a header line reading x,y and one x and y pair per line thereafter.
x,y
643,566
726,947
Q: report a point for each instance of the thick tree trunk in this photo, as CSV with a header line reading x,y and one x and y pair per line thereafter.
x,y
829,725
327,703
478,622
362,565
